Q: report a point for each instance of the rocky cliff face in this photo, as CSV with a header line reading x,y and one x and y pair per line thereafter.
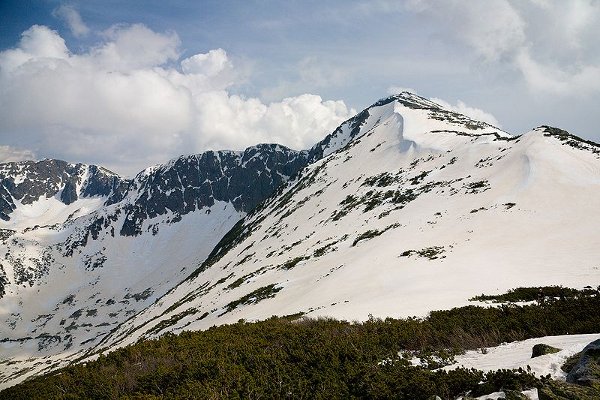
x,y
192,183
28,181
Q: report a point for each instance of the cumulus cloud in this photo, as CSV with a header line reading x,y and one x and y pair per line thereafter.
x,y
472,112
11,154
73,20
493,28
131,101
133,47
552,44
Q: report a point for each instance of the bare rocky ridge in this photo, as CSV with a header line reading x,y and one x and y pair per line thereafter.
x,y
28,181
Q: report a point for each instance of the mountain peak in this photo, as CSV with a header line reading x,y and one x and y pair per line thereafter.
x,y
408,199
415,117
410,100
26,182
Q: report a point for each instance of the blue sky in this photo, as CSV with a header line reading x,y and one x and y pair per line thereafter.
x,y
286,71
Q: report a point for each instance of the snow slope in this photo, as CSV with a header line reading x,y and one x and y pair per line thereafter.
x,y
517,355
421,210
74,305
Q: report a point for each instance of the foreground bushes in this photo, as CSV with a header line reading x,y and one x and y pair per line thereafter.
x,y
539,293
323,358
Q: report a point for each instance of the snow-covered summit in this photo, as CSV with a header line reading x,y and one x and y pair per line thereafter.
x,y
425,117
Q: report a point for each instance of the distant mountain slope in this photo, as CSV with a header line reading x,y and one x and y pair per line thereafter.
x,y
187,184
27,182
84,249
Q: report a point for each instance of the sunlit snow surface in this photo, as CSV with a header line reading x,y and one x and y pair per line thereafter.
x,y
499,213
517,355
49,211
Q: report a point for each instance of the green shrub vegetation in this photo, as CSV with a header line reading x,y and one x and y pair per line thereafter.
x,y
570,362
289,264
539,293
265,292
541,349
318,358
371,233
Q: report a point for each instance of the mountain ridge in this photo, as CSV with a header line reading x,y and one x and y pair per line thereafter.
x,y
72,269
239,234
403,186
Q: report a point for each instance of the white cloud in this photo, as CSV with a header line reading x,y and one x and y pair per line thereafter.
x,y
130,101
313,73
11,154
37,42
131,47
493,28
298,122
554,79
472,112
552,44
73,20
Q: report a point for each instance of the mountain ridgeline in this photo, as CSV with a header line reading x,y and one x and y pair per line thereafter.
x,y
403,209
183,185
28,181
188,184
99,248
